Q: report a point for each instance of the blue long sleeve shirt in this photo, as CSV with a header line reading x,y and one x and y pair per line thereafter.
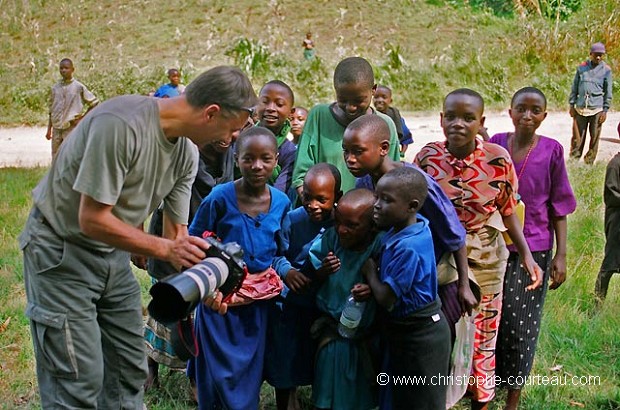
x,y
592,86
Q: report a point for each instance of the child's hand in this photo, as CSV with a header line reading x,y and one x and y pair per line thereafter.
x,y
296,281
535,273
48,135
361,292
215,302
558,271
330,265
467,300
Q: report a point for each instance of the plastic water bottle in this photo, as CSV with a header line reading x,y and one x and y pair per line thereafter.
x,y
350,317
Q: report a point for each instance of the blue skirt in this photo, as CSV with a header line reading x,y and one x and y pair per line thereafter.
x,y
229,367
289,357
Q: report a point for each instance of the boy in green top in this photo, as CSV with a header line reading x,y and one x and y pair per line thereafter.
x,y
321,141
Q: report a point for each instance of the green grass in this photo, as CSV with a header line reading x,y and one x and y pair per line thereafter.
x,y
422,49
575,335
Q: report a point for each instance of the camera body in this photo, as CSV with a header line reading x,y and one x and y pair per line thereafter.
x,y
232,254
176,296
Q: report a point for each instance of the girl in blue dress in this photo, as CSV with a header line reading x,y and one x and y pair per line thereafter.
x,y
229,367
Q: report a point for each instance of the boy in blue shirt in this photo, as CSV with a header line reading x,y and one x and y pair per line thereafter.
x,y
174,88
405,285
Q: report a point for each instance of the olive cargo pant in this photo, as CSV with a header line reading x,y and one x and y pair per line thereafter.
x,y
86,322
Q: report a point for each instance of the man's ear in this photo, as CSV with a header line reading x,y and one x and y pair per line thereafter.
x,y
210,110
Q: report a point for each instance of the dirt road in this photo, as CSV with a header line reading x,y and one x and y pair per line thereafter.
x,y
27,146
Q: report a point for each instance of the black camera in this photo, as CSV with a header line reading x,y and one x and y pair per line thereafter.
x,y
176,296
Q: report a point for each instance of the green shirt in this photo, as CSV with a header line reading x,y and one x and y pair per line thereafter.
x,y
322,142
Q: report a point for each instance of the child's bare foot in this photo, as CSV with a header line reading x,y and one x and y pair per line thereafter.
x,y
152,380
192,384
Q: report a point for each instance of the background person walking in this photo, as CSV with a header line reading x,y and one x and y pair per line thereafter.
x,y
589,101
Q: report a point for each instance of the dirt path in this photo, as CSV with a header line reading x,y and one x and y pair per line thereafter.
x,y
27,146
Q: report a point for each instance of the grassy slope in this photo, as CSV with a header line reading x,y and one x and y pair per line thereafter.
x,y
124,47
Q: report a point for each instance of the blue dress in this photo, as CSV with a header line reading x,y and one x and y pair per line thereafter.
x,y
229,369
290,348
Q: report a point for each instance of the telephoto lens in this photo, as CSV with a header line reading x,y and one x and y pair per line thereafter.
x,y
176,296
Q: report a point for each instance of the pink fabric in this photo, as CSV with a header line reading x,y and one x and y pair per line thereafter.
x,y
260,286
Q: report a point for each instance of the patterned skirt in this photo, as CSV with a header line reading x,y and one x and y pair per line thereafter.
x,y
520,323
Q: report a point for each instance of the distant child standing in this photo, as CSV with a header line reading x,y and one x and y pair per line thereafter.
x,y
174,88
480,180
229,368
308,45
611,197
545,190
354,83
67,105
344,376
383,103
275,104
298,120
415,330
289,361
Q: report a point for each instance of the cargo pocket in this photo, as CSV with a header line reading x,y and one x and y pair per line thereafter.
x,y
53,344
44,250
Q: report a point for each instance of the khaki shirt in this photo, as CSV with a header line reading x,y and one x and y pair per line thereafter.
x,y
67,102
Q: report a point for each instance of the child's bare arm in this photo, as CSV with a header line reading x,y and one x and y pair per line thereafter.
x,y
558,265
48,134
384,295
515,231
466,297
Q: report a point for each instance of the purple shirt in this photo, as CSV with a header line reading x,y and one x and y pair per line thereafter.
x,y
544,189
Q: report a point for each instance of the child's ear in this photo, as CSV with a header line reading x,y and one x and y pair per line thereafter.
x,y
374,89
384,147
482,121
414,205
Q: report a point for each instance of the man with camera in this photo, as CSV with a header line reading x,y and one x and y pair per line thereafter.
x,y
123,159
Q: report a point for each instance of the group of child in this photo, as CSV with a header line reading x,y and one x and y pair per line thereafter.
x,y
364,231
